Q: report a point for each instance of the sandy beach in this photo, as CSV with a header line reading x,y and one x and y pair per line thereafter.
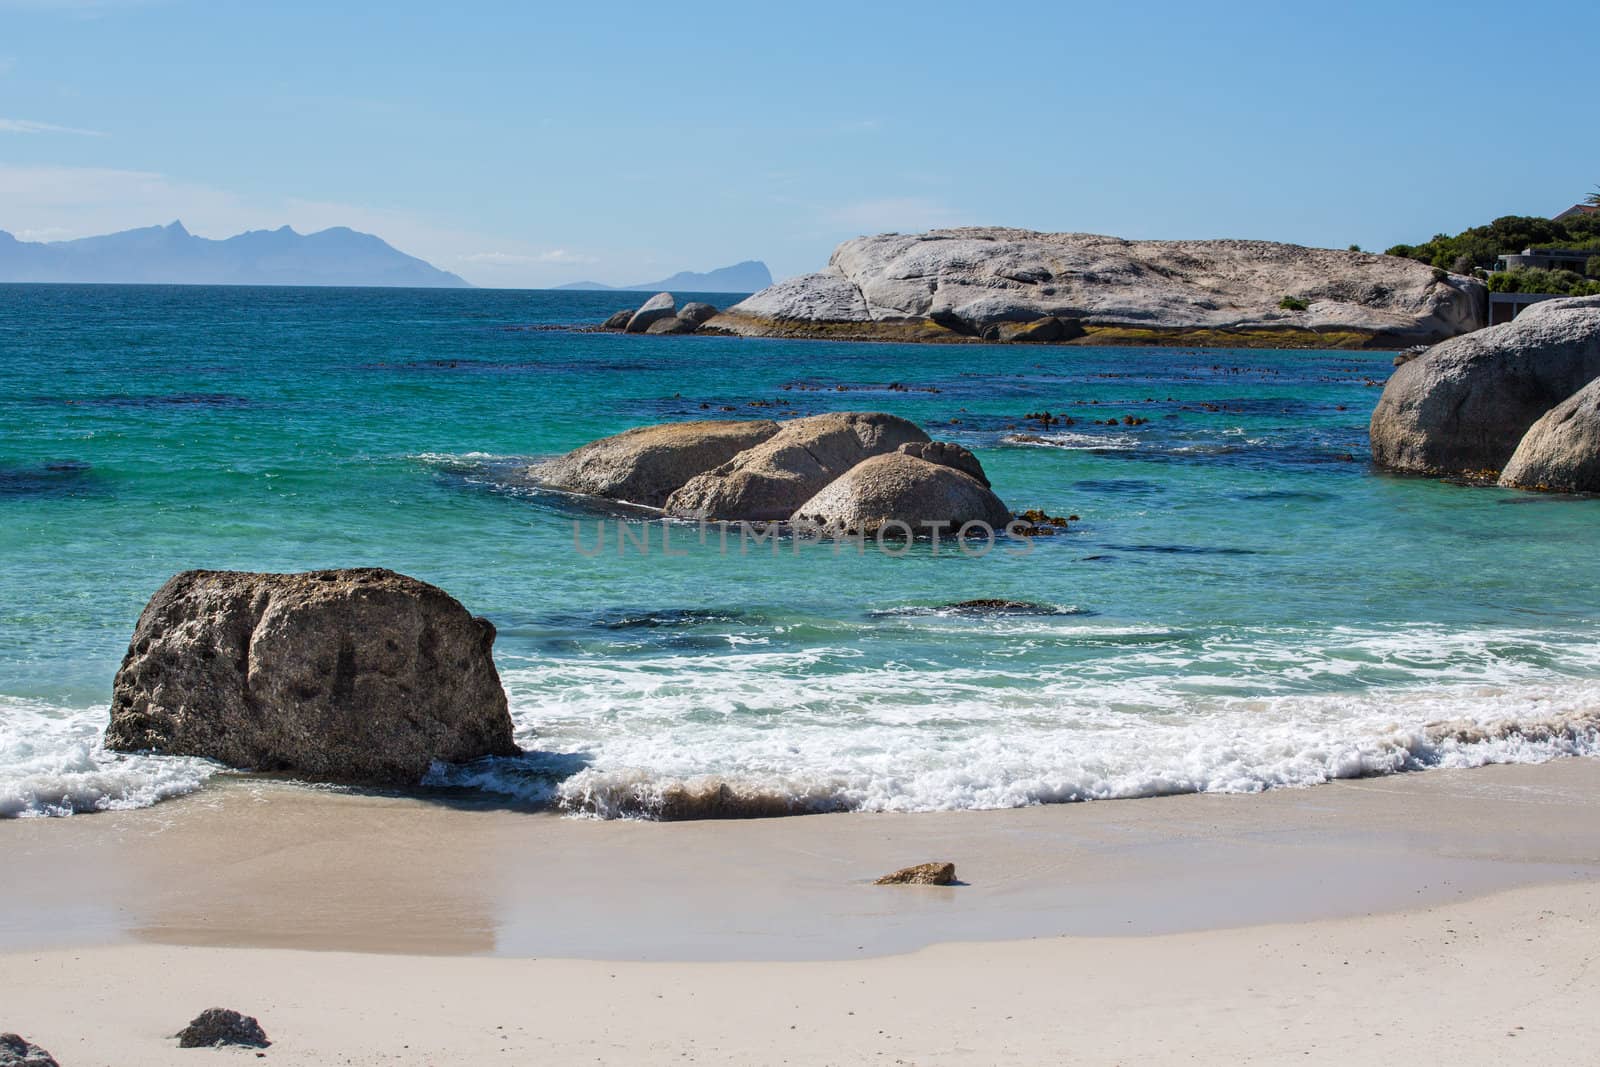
x,y
1450,914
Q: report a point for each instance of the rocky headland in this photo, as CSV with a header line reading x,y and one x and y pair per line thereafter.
x,y
1017,285
1516,403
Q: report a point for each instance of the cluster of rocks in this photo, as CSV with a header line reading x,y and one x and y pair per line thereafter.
x,y
843,473
661,314
362,676
1000,284
1518,403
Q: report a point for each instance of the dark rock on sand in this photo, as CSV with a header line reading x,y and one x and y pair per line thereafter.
x,y
696,312
618,321
1464,406
902,496
948,454
1561,452
221,1026
362,676
921,874
769,481
16,1051
646,464
658,307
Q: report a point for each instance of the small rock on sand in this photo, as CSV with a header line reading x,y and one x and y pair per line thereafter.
x,y
17,1051
222,1026
921,874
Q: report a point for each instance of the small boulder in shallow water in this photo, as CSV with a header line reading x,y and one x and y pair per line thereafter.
x,y
902,496
17,1051
921,874
362,676
646,464
618,321
658,307
1561,452
672,324
221,1026
697,312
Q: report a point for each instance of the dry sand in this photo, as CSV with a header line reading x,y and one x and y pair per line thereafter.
x,y
1447,916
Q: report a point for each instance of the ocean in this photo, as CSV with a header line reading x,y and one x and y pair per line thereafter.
x,y
1243,603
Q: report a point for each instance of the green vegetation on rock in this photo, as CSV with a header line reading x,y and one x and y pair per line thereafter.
x,y
1534,280
1482,245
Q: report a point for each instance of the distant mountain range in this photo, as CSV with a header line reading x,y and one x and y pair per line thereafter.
x,y
751,276
172,255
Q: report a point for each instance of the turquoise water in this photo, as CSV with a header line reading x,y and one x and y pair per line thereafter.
x,y
1243,603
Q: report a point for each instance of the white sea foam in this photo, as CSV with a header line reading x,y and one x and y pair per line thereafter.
x,y
1038,710
814,730
52,763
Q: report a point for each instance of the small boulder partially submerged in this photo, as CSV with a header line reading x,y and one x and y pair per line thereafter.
x,y
360,676
903,496
921,874
646,464
216,1027
1463,407
769,481
1561,452
619,320
658,307
17,1051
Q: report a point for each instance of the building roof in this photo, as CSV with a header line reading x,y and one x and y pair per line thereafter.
x,y
1575,210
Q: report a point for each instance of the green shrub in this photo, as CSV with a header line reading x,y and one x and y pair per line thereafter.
x,y
1592,268
1482,245
1559,282
1293,303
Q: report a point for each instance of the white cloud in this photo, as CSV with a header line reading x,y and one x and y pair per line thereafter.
x,y
28,126
893,214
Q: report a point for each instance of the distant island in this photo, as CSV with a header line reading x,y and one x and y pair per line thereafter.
x,y
751,276
171,255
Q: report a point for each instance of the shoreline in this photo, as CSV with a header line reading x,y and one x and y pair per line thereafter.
x,y
1453,912
1286,338
259,863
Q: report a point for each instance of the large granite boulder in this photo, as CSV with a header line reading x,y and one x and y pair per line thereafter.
x,y
644,465
1464,405
658,307
769,481
899,495
362,676
619,320
1561,452
961,282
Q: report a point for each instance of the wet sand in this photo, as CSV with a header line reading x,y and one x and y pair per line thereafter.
x,y
1433,913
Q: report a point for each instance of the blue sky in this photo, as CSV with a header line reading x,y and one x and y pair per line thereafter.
x,y
532,144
